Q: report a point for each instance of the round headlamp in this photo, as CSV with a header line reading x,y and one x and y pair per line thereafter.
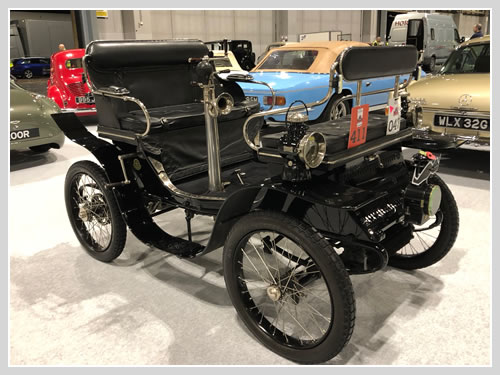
x,y
312,149
432,200
297,117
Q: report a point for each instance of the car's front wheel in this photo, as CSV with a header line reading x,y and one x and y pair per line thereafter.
x,y
433,240
289,286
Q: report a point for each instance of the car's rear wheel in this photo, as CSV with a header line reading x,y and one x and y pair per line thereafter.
x,y
93,211
336,109
28,74
432,65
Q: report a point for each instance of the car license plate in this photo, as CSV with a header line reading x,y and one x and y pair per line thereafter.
x,y
87,99
359,125
24,134
252,98
393,116
462,122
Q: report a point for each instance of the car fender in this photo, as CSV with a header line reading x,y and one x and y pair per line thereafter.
x,y
54,94
250,199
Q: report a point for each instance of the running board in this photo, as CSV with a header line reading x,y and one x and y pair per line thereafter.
x,y
152,235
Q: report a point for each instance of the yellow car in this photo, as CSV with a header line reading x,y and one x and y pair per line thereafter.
x,y
452,108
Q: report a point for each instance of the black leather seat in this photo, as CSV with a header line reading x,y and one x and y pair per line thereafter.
x,y
163,118
180,116
162,75
336,132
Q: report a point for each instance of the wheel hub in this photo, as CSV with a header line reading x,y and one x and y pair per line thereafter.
x,y
274,293
84,213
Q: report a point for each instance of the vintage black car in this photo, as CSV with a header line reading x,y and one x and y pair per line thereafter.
x,y
242,50
298,207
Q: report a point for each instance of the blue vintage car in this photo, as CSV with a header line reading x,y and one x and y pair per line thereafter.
x,y
300,71
28,67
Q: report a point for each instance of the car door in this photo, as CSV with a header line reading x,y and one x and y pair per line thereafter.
x,y
415,33
36,67
45,66
24,65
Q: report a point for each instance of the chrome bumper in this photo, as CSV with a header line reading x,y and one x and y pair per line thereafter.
x,y
426,135
81,112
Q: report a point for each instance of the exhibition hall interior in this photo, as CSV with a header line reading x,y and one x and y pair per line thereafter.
x,y
249,187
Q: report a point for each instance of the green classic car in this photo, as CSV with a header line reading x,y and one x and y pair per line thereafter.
x,y
31,126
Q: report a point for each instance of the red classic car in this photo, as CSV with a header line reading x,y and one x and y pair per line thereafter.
x,y
67,86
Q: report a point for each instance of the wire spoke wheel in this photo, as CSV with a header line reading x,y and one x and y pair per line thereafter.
x,y
284,289
435,238
289,286
94,217
424,236
93,211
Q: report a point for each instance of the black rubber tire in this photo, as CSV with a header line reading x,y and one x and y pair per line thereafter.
x,y
445,240
118,226
429,68
333,271
325,116
28,74
40,149
432,65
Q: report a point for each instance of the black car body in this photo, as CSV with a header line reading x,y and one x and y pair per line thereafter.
x,y
296,206
242,50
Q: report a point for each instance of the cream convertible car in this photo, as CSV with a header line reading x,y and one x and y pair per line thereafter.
x,y
453,108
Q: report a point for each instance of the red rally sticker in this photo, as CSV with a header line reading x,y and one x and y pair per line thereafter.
x,y
359,125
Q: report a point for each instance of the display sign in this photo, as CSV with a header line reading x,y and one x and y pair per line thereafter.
x,y
101,13
393,115
359,125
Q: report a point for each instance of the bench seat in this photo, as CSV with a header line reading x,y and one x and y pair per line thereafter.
x,y
179,116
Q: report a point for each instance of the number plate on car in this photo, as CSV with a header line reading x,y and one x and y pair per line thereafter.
x,y
359,125
393,116
87,99
24,134
462,122
252,98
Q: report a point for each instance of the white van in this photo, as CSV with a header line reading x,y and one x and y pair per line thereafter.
x,y
435,34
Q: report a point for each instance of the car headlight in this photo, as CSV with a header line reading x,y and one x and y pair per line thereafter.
x,y
312,149
417,116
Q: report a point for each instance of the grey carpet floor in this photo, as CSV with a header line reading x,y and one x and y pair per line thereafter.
x,y
151,308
